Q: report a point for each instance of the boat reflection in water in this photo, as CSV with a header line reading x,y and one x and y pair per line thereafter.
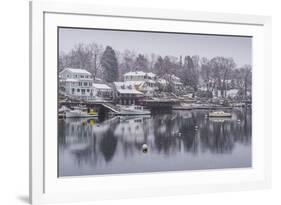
x,y
182,140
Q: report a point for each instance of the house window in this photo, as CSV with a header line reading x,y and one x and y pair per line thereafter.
x,y
78,90
82,76
76,76
83,91
73,90
90,84
85,83
80,83
88,90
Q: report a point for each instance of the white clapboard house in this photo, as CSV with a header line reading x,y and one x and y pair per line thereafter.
x,y
144,82
76,83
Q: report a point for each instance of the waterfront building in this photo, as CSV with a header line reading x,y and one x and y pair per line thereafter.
x,y
176,82
162,83
76,83
143,82
125,93
170,80
102,91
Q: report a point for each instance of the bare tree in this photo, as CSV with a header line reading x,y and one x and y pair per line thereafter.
x,y
141,63
64,61
196,61
152,60
246,79
205,72
127,60
221,68
96,54
82,56
158,67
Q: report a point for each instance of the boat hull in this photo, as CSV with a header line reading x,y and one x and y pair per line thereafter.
x,y
79,115
132,110
134,113
219,116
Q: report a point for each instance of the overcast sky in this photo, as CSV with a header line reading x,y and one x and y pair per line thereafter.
x,y
239,48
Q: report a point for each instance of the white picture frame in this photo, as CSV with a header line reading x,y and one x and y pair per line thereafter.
x,y
46,187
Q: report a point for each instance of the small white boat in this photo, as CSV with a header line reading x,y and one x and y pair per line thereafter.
x,y
220,119
133,110
78,113
219,114
62,111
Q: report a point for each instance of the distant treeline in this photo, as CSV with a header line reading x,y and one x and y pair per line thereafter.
x,y
216,74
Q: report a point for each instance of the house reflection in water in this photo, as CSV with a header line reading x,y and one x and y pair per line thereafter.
x,y
90,147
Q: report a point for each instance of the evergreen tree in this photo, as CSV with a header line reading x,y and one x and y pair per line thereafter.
x,y
190,74
110,65
158,67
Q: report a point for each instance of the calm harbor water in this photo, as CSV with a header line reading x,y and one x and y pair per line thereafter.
x,y
113,146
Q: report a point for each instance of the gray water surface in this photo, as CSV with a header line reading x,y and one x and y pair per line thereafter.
x,y
114,146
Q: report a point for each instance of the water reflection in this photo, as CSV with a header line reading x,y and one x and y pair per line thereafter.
x,y
88,147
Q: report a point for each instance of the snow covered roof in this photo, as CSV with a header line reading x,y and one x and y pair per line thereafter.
x,y
232,92
135,73
173,77
129,91
99,80
126,88
69,80
151,75
162,81
140,73
101,86
86,79
76,71
134,83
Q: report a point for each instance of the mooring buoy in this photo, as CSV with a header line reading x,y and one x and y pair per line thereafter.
x,y
144,148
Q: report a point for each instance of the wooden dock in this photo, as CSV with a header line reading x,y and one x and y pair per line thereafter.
x,y
201,108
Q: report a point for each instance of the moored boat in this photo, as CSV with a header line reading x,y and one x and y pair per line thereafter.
x,y
219,114
133,110
62,111
79,113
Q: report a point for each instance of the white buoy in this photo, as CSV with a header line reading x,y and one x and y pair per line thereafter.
x,y
144,148
196,127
